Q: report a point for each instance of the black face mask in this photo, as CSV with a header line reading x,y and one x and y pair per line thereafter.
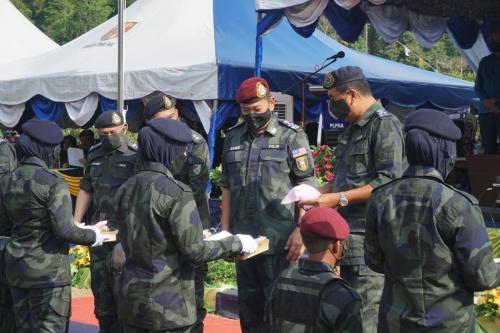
x,y
339,109
113,141
494,47
257,121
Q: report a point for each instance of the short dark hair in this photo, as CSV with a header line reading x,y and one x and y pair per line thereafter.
x,y
71,138
361,86
315,244
86,132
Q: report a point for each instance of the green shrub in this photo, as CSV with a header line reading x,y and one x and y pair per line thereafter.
x,y
221,273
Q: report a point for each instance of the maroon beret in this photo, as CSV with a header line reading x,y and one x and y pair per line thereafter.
x,y
324,222
252,88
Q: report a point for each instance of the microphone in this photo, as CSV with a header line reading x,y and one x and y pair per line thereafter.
x,y
339,55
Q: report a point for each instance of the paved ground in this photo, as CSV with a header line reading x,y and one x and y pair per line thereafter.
x,y
83,320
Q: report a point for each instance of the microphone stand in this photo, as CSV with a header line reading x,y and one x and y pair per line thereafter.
x,y
304,83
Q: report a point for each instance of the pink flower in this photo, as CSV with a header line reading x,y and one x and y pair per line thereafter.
x,y
322,148
329,176
326,159
328,166
314,154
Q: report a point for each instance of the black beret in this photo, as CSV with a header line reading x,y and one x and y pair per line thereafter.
x,y
434,122
343,75
44,131
109,119
157,104
172,129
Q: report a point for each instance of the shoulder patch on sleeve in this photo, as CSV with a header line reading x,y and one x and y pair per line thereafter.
x,y
133,146
288,124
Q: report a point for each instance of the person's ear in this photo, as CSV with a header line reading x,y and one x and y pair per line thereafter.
x,y
272,103
125,128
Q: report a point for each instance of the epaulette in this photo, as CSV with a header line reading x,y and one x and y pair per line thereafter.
x,y
2,140
94,147
382,113
133,146
238,124
288,124
472,199
197,138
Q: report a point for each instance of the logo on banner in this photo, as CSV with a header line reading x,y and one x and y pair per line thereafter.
x,y
113,33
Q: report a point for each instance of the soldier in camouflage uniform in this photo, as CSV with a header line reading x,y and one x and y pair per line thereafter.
x,y
311,296
194,172
35,212
161,234
263,158
8,162
428,238
109,164
370,153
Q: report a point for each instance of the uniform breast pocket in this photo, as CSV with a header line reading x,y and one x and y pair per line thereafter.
x,y
235,166
359,158
273,162
96,170
122,170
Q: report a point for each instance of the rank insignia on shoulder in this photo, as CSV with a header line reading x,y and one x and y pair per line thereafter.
x,y
94,147
289,124
302,163
382,113
133,146
299,152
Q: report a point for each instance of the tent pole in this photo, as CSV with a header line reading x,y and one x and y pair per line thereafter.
x,y
121,78
258,49
320,129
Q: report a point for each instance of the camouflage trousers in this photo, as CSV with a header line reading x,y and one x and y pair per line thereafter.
x,y
7,323
369,285
255,277
200,273
103,285
42,310
131,329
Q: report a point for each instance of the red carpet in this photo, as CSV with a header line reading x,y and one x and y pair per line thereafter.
x,y
83,320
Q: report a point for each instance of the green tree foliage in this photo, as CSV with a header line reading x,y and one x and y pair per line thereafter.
x,y
443,57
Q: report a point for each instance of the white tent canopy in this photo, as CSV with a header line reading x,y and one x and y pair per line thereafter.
x,y
19,37
88,64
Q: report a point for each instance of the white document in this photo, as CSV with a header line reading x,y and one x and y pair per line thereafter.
x,y
74,156
218,236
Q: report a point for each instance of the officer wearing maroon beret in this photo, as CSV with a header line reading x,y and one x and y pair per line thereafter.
x,y
327,303
263,158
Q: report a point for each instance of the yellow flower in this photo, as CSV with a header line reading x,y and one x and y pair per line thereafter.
x,y
494,292
496,300
482,300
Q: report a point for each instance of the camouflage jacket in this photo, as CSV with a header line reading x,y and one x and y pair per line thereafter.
x,y
195,173
431,242
371,151
259,170
8,161
104,172
328,303
161,234
36,211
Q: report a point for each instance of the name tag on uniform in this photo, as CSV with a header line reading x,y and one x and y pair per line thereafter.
x,y
236,147
96,163
277,146
121,165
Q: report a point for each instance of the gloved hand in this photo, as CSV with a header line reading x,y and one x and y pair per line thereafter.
x,y
99,225
248,242
99,237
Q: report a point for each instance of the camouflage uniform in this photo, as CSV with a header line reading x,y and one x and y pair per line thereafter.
x,y
259,170
104,173
371,151
36,211
161,234
430,241
195,173
8,163
327,303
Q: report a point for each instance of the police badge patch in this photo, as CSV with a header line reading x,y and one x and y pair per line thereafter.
x,y
302,163
329,80
167,102
261,90
196,169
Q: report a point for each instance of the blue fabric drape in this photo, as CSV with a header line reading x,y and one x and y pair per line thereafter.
x,y
348,24
226,110
134,106
45,109
306,31
268,20
464,30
